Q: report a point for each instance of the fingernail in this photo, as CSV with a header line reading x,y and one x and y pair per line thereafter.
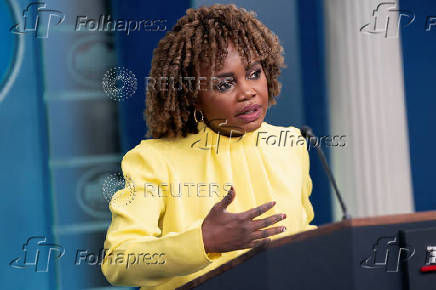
x,y
283,229
273,203
283,216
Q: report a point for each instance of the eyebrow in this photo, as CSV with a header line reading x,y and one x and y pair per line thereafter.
x,y
230,74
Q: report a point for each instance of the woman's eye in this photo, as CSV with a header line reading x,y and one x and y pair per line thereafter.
x,y
256,74
224,86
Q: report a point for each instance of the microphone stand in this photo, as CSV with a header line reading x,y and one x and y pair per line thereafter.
x,y
307,132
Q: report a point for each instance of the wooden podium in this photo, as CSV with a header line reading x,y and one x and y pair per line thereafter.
x,y
378,253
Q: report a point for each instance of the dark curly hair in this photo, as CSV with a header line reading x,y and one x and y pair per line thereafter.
x,y
201,37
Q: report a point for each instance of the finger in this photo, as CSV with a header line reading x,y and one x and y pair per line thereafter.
x,y
259,243
224,203
266,222
257,211
261,234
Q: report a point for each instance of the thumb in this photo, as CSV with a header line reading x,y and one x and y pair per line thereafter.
x,y
228,199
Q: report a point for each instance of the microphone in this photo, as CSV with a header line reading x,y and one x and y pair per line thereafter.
x,y
308,133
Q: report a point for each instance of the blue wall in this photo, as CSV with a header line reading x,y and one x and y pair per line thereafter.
x,y
135,52
419,59
315,107
23,153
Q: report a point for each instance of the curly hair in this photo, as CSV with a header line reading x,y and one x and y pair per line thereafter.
x,y
201,37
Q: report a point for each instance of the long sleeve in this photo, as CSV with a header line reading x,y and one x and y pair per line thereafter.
x,y
157,230
150,257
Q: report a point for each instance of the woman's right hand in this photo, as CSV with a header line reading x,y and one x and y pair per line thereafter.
x,y
225,232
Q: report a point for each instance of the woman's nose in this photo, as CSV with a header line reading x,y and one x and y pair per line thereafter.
x,y
246,91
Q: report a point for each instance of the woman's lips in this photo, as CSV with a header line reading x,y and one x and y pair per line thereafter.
x,y
251,115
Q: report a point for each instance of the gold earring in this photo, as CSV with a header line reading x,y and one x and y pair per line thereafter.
x,y
195,116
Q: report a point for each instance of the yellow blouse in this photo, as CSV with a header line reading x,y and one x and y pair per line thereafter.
x,y
155,239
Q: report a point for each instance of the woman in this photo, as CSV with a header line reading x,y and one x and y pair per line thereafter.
x,y
212,80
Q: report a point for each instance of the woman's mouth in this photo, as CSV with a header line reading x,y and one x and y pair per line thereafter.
x,y
250,113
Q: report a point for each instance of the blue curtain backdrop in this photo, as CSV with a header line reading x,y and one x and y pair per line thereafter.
x,y
135,52
315,104
419,61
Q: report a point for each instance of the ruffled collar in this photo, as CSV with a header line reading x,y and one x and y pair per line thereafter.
x,y
208,139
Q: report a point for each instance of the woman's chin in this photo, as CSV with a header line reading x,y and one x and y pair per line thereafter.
x,y
236,127
251,126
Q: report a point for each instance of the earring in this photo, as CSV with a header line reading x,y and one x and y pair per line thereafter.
x,y
195,116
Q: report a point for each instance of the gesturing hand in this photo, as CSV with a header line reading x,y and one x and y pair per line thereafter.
x,y
225,232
